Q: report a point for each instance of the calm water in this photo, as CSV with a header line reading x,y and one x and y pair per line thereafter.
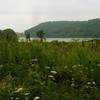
x,y
67,39
61,39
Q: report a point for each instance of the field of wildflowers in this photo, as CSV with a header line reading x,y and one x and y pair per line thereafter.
x,y
50,70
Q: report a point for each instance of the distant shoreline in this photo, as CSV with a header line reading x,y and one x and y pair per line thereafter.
x,y
60,39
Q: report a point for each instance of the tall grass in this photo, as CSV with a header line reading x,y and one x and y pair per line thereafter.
x,y
51,71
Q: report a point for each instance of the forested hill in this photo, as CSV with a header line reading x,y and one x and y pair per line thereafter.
x,y
90,28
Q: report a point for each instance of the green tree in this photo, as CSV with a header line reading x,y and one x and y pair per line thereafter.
x,y
40,34
27,35
9,35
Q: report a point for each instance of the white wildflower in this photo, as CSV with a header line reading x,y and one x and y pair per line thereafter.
x,y
93,83
37,98
51,76
17,98
26,94
65,67
34,60
12,97
74,66
53,72
92,70
88,83
47,67
73,79
80,65
72,84
18,90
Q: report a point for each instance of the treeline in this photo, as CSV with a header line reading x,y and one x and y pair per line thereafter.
x,y
86,29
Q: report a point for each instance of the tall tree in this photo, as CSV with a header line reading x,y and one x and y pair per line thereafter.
x,y
27,35
40,34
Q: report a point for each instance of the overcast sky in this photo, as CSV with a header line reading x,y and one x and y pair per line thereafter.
x,y
23,14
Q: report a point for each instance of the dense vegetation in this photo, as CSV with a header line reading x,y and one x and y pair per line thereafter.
x,y
50,71
90,28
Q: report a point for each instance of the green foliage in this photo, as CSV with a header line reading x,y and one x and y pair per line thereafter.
x,y
8,35
49,71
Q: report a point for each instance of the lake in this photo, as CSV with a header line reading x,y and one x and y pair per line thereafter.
x,y
60,39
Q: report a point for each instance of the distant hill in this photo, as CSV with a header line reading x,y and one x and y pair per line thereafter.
x,y
90,28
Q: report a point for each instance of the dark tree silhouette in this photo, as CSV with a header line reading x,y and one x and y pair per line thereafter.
x,y
40,34
27,34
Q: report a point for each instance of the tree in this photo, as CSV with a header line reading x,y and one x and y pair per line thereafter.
x,y
9,35
40,34
27,35
1,34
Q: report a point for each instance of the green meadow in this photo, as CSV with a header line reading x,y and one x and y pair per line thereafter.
x,y
34,70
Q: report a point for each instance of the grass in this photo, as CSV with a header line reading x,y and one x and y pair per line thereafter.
x,y
50,70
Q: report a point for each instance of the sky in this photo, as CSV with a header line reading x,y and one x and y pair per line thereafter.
x,y
24,14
